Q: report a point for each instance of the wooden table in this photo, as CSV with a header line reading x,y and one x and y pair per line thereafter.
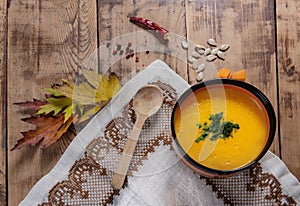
x,y
42,42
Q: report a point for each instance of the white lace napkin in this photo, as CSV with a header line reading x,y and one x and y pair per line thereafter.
x,y
157,176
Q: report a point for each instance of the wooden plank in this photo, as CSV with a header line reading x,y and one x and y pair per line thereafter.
x,y
288,29
114,24
110,26
48,41
171,16
249,28
3,136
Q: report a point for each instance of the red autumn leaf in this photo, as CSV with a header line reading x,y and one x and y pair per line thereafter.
x,y
49,130
35,105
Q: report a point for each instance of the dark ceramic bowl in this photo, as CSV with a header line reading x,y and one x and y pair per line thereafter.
x,y
256,95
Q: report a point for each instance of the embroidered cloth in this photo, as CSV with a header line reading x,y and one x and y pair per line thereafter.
x,y
156,175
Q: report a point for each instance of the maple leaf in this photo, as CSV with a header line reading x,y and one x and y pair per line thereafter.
x,y
114,85
105,88
84,94
66,104
35,105
89,112
49,130
66,89
92,77
57,105
96,90
68,112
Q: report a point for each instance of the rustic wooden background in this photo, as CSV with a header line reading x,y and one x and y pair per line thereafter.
x,y
43,41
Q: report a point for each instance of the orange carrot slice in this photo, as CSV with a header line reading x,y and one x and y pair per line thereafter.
x,y
223,73
239,75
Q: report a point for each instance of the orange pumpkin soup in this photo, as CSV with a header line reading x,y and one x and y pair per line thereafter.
x,y
237,106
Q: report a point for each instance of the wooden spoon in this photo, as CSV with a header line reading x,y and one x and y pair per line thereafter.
x,y
146,102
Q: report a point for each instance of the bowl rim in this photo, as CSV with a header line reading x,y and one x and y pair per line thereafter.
x,y
246,86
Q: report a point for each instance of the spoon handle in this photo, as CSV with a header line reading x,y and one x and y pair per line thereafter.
x,y
126,156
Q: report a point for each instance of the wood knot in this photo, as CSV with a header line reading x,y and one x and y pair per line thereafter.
x,y
291,70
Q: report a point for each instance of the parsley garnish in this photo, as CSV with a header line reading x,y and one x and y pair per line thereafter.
x,y
218,128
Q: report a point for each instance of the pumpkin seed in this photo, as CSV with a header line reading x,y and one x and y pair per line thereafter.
x,y
191,59
211,42
221,55
224,47
184,45
199,47
196,55
214,51
195,65
199,77
207,51
201,67
211,58
200,51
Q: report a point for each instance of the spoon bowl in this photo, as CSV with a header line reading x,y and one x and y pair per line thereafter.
x,y
148,100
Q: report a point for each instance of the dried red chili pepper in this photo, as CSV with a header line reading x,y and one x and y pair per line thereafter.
x,y
147,24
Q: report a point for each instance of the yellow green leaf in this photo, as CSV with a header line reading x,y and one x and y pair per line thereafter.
x,y
89,113
114,84
86,95
94,91
92,77
66,89
54,105
68,112
107,88
54,92
101,91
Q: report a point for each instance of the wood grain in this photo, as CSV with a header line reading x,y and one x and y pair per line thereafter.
x,y
288,21
170,15
110,27
249,28
114,24
42,42
3,81
48,41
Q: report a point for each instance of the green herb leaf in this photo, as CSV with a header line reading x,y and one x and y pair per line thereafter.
x,y
218,128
